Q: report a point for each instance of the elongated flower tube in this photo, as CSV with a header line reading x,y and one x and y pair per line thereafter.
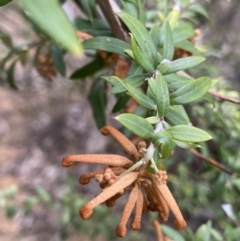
x,y
123,182
107,159
112,200
121,229
158,229
161,206
127,145
136,222
161,187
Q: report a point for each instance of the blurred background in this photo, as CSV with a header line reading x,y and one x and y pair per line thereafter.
x,y
44,119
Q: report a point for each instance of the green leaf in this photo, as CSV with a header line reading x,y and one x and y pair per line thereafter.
x,y
204,232
58,61
182,32
180,109
153,119
140,97
129,53
6,39
173,17
96,27
140,57
173,234
10,75
130,7
88,69
176,81
199,9
186,45
4,2
188,134
49,16
108,44
175,118
142,37
155,33
216,235
136,124
164,143
135,69
141,11
168,47
118,85
186,145
121,103
183,63
135,80
162,95
164,66
88,8
232,234
97,99
193,91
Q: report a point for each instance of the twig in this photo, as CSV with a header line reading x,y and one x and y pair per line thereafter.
x,y
112,20
222,97
212,92
211,161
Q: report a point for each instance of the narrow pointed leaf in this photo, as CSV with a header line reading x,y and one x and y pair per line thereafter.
x,y
130,8
173,234
135,69
58,61
136,124
140,97
173,17
184,63
108,44
175,118
140,56
88,69
188,133
155,33
193,91
153,119
98,103
186,45
142,37
162,95
121,103
182,32
49,16
168,47
180,109
118,85
199,9
186,145
4,2
135,80
176,81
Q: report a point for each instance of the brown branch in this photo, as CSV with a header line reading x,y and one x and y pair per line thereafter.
x,y
211,161
112,20
224,98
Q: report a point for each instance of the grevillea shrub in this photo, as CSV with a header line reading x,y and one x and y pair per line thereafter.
x,y
146,54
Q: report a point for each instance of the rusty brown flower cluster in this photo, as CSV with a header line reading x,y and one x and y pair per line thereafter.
x,y
148,192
